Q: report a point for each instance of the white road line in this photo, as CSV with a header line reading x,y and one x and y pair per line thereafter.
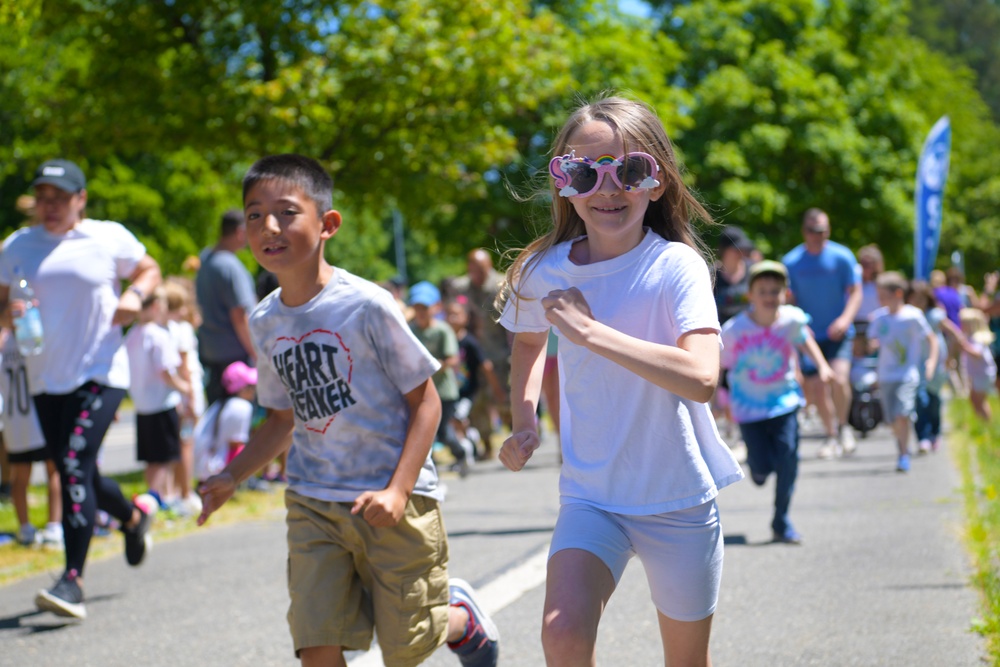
x,y
494,596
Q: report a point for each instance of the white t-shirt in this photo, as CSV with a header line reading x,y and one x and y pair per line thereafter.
x,y
629,446
151,351
21,432
343,362
762,362
901,337
186,340
77,278
211,446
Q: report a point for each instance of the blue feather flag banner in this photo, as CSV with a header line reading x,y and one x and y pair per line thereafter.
x,y
932,172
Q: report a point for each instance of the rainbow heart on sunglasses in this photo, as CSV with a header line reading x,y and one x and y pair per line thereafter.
x,y
582,176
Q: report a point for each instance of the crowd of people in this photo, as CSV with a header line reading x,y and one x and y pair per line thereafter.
x,y
342,388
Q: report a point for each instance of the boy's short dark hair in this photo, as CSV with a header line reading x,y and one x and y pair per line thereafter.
x,y
302,172
892,281
231,221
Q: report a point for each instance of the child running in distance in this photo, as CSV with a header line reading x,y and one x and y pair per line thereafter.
x,y
350,389
473,366
902,334
622,281
182,318
759,346
928,423
157,390
980,369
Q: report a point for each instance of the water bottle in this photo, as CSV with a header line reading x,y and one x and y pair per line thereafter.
x,y
27,327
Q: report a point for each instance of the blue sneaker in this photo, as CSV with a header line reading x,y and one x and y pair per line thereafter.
x,y
790,536
480,645
903,464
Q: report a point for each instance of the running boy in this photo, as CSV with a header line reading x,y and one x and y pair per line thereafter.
x,y
350,389
902,334
759,345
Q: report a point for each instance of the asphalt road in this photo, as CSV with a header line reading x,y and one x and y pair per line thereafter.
x,y
881,579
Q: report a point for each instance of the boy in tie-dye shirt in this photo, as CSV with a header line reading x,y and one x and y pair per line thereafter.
x,y
760,353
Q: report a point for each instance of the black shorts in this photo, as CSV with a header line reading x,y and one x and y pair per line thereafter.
x,y
30,456
158,437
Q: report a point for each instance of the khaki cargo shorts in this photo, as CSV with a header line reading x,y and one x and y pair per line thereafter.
x,y
346,578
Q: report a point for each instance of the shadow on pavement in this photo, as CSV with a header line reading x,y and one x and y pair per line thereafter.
x,y
505,531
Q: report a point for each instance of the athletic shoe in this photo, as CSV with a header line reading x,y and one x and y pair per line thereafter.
x,y
480,645
790,536
52,535
903,464
138,541
63,599
924,447
847,442
191,505
26,535
828,449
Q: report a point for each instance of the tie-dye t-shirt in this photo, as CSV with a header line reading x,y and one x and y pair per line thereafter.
x,y
901,337
343,363
761,364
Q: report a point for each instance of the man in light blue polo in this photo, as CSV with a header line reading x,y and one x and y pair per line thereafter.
x,y
823,278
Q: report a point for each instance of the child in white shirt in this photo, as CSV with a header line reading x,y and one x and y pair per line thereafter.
x,y
156,388
907,353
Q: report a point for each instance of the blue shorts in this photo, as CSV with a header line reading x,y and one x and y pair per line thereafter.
x,y
831,349
681,551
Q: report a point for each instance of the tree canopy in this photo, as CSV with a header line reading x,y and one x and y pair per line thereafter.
x,y
439,111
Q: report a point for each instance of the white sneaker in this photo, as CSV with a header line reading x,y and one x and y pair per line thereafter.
x,y
924,447
26,535
828,449
52,535
192,504
847,441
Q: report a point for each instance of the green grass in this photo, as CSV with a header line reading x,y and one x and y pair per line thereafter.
x,y
17,562
977,451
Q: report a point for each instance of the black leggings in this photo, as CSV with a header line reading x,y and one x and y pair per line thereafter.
x,y
74,426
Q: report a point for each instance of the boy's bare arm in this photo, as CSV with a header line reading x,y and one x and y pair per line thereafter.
x,y
811,348
385,507
272,438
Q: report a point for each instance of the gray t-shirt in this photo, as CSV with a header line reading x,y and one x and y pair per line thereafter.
x,y
343,362
222,283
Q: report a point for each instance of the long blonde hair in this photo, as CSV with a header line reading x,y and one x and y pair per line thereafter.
x,y
974,321
671,216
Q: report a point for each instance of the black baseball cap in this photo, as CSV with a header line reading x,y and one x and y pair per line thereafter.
x,y
734,237
63,174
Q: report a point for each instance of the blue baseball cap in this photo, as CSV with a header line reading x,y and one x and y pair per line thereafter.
x,y
424,294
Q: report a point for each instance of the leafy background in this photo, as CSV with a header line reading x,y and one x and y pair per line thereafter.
x,y
442,110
